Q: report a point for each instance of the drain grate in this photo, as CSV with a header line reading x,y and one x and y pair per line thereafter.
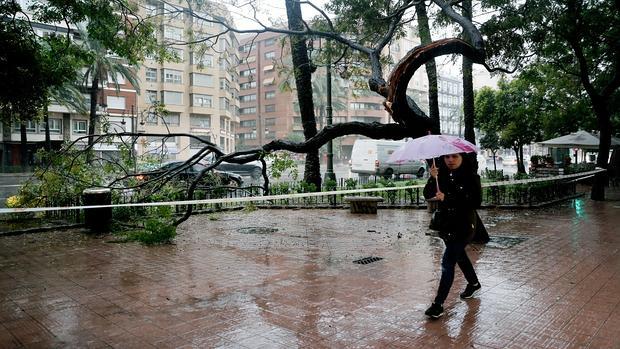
x,y
367,260
257,230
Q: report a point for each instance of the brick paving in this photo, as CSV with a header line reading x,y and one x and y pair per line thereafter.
x,y
229,282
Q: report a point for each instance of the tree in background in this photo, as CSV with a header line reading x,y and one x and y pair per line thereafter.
x,y
577,38
514,113
490,141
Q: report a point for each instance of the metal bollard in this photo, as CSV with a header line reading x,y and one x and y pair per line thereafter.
x,y
97,219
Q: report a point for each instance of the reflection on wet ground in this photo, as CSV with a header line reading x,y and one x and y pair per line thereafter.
x,y
286,279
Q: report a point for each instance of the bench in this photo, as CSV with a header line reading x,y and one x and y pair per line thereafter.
x,y
363,204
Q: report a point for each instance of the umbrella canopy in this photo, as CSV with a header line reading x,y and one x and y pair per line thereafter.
x,y
579,139
431,146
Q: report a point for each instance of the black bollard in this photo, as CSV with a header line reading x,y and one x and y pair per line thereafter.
x,y
97,219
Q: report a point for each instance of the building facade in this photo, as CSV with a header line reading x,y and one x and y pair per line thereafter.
x,y
200,90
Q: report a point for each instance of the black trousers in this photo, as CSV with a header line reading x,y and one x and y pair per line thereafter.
x,y
454,254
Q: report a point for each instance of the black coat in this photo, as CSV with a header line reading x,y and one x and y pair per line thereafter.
x,y
463,195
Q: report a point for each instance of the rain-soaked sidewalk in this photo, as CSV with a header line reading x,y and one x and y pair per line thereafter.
x,y
286,279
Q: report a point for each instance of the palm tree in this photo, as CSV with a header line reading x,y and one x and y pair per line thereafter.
x,y
101,68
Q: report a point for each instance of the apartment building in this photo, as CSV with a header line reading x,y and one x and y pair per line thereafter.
x,y
114,107
199,89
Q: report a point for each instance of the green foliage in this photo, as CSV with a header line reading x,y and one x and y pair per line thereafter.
x,y
350,183
576,168
159,228
305,187
370,185
494,175
249,207
330,185
281,188
282,162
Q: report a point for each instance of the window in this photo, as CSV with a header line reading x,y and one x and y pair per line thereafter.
x,y
270,108
201,59
203,80
200,120
31,126
198,143
199,100
247,72
247,98
172,98
151,119
224,103
270,41
270,55
222,142
250,110
270,122
115,102
55,125
150,9
365,106
250,59
224,84
151,74
269,81
223,63
119,79
246,48
150,97
79,126
247,85
248,135
172,76
248,123
178,53
270,94
173,33
172,119
297,120
222,123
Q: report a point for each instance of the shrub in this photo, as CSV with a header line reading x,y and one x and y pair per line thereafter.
x,y
158,228
350,183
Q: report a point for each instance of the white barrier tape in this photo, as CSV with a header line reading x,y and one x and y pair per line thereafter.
x,y
283,197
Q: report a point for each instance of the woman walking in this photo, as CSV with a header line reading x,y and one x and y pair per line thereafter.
x,y
457,188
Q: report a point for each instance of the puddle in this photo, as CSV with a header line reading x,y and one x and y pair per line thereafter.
x,y
504,242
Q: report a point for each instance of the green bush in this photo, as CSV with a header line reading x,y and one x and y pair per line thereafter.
x,y
350,183
330,185
158,228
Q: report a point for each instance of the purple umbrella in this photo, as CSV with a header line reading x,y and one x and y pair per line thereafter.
x,y
430,147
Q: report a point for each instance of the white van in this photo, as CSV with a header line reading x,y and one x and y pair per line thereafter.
x,y
370,157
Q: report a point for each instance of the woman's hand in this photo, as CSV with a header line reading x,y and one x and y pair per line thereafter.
x,y
434,171
440,196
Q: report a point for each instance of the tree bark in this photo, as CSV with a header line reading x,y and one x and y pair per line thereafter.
x,y
431,67
468,84
46,120
303,82
94,91
603,117
24,145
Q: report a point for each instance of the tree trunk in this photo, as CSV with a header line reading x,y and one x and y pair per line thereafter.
x,y
520,162
605,128
431,67
94,91
46,120
468,85
23,145
303,82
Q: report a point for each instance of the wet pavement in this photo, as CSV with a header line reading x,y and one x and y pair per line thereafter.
x,y
286,279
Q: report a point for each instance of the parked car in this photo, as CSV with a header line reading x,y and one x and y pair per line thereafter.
x,y
253,169
225,178
370,157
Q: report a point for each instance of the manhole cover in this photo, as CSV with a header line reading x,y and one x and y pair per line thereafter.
x,y
367,260
257,230
504,242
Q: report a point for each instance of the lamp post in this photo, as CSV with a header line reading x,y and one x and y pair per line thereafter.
x,y
329,173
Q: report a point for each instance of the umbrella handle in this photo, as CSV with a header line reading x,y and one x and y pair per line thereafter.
x,y
436,177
